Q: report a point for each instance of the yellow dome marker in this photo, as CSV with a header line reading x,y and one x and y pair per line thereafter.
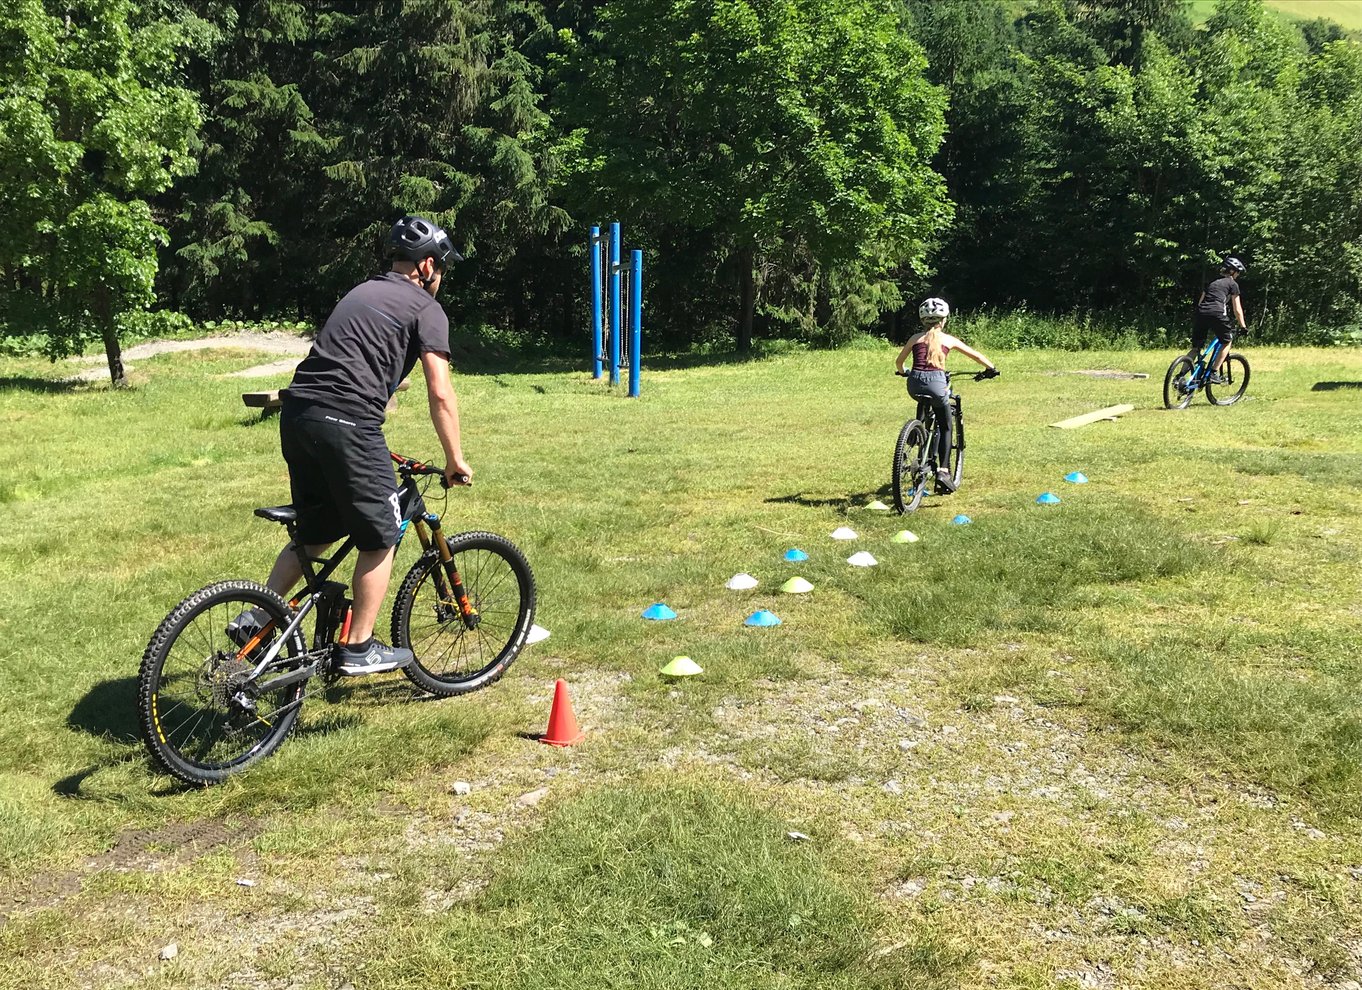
x,y
681,667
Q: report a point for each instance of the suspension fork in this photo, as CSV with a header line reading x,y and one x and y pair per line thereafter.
x,y
448,583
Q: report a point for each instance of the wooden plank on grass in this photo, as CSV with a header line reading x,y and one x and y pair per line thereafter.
x,y
1110,412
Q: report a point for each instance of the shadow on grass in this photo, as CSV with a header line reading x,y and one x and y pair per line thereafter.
x,y
479,358
854,500
1333,386
109,709
38,386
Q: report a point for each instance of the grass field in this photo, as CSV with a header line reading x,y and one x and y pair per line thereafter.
x,y
1111,743
1346,13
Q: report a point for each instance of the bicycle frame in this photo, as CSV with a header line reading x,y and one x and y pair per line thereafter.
x,y
319,591
926,415
1204,363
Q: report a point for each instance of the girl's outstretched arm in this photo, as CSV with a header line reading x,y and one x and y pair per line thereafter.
x,y
969,352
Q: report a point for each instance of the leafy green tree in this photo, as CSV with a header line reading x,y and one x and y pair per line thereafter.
x,y
433,107
91,123
786,142
235,224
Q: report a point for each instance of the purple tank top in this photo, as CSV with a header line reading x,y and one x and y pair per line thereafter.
x,y
920,356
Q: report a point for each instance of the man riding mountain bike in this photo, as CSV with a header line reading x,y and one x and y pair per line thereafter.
x,y
331,436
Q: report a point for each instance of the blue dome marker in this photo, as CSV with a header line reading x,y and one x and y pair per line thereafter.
x,y
762,618
795,554
658,612
1047,498
961,521
1076,477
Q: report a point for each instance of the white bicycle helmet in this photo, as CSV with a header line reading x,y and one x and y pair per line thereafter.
x,y
934,309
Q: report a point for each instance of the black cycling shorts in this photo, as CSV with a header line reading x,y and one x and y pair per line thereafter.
x,y
341,477
1203,326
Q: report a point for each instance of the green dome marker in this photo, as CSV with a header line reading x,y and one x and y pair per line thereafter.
x,y
681,667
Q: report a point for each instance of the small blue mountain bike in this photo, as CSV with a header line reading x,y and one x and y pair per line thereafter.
x,y
1186,376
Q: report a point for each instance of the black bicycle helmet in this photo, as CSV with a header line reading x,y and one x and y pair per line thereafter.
x,y
416,238
1231,264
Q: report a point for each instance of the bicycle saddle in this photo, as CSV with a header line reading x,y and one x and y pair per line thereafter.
x,y
279,514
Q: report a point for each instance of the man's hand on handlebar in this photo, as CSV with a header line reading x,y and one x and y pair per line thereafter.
x,y
987,373
457,472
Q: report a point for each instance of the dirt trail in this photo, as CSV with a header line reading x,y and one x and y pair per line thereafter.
x,y
270,343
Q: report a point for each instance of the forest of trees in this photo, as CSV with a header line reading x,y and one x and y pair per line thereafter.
x,y
792,168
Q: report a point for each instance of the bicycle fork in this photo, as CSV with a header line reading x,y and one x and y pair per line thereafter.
x,y
448,583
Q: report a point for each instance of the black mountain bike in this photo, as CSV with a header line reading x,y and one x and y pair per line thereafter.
x,y
1185,377
915,462
213,700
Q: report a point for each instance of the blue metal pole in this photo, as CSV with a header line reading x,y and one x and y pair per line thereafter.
x,y
614,304
597,291
635,320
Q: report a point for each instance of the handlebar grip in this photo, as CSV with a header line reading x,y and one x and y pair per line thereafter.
x,y
463,479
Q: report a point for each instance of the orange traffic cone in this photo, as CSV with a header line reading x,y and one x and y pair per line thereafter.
x,y
563,729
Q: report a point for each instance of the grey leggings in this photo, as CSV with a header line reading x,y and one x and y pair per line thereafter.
x,y
932,387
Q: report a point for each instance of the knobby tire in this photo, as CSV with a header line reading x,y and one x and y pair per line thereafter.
x,y
190,674
452,659
1236,371
908,477
1175,394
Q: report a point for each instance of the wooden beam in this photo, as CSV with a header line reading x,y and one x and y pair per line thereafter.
x,y
1110,412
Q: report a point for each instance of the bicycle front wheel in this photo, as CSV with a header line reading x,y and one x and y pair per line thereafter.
x,y
909,475
957,451
1236,373
1177,393
455,655
202,718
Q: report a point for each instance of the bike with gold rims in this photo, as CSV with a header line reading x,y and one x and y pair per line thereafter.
x,y
215,699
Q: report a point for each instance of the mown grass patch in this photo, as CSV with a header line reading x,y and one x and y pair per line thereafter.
x,y
1023,572
1295,729
657,886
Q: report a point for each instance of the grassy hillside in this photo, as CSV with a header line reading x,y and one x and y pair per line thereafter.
x,y
1347,13
1113,742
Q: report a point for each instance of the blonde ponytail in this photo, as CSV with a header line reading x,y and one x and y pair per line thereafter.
x,y
936,351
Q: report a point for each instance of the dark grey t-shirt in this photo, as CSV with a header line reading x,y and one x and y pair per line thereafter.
x,y
1216,302
371,341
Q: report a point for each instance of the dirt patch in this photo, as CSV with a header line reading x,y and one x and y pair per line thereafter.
x,y
270,343
173,845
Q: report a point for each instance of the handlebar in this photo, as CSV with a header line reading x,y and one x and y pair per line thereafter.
x,y
981,376
408,465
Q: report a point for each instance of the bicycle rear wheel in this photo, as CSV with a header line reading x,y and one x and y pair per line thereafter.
x,y
451,658
909,473
201,718
1176,391
1236,372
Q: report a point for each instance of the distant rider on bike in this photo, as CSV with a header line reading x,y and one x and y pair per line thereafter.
x,y
330,429
928,381
1214,306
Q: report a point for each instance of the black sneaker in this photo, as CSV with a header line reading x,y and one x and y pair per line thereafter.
x,y
372,657
1215,378
245,626
945,485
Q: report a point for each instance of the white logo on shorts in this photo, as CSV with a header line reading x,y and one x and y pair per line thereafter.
x,y
397,510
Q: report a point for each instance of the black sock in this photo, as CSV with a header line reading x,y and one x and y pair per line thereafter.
x,y
360,647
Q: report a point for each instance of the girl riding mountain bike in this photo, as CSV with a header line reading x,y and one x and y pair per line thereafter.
x,y
928,381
